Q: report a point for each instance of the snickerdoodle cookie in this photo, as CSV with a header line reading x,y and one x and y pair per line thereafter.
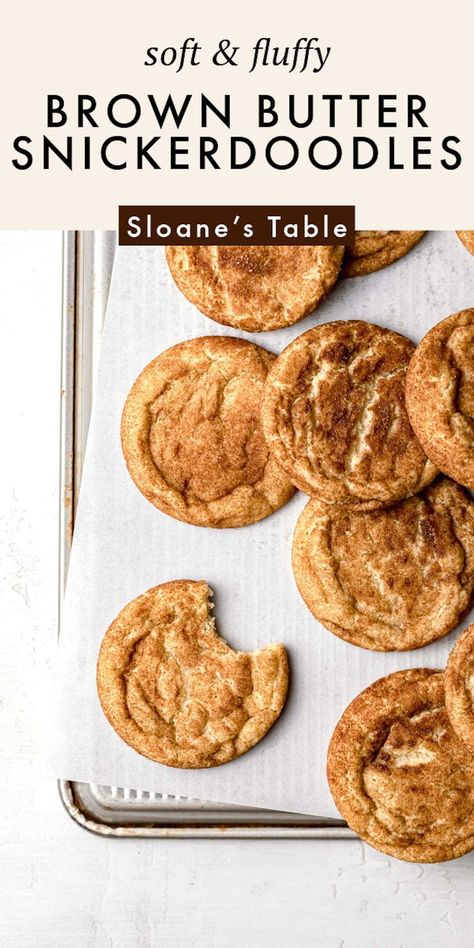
x,y
399,774
389,579
440,395
192,435
459,686
334,415
175,691
255,288
374,249
467,238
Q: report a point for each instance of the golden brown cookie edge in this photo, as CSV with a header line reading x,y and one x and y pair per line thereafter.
x,y
341,774
113,632
160,495
362,266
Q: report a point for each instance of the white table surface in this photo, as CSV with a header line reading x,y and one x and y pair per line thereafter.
x,y
60,886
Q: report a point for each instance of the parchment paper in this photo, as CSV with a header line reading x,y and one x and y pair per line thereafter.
x,y
123,545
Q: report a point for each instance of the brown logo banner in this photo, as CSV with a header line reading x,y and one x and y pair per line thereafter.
x,y
236,225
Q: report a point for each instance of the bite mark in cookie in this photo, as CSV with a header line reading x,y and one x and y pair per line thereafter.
x,y
175,691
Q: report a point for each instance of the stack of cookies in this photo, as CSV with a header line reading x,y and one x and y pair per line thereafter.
x,y
219,433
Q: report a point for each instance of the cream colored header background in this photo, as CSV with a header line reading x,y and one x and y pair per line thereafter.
x,y
98,48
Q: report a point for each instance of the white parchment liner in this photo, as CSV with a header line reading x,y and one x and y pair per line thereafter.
x,y
123,545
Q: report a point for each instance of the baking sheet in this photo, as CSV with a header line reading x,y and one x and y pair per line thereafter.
x,y
123,546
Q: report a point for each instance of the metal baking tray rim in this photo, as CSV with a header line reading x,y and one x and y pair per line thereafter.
x,y
74,806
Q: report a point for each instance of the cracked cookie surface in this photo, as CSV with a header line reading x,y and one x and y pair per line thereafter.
x,y
175,691
389,579
440,395
459,687
255,288
192,435
467,238
334,415
399,774
374,249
